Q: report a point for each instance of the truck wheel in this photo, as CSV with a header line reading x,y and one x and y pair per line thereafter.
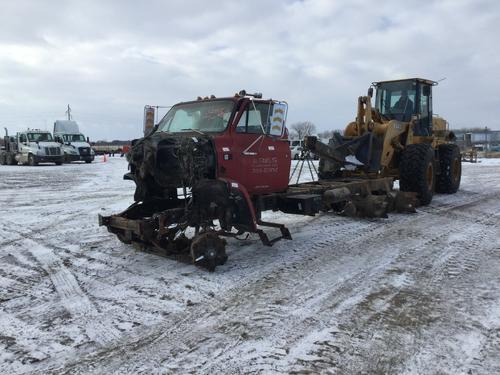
x,y
208,250
31,160
11,160
450,163
417,172
2,159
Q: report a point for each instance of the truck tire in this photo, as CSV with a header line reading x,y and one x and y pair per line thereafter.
x,y
450,165
31,160
3,159
11,160
417,171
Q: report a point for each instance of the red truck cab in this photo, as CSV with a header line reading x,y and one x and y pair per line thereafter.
x,y
249,137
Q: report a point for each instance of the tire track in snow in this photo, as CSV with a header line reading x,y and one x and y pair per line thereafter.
x,y
269,314
396,307
341,297
73,298
355,232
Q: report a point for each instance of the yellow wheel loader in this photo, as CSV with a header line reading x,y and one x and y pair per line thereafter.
x,y
398,137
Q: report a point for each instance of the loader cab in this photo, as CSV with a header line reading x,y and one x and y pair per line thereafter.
x,y
404,100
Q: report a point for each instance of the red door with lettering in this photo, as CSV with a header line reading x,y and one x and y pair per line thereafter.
x,y
248,154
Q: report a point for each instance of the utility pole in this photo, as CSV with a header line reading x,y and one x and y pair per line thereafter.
x,y
487,146
68,112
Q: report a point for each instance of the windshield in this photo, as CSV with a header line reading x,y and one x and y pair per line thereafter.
x,y
73,138
203,116
396,100
40,137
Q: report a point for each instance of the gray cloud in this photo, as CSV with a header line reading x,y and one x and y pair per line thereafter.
x,y
108,59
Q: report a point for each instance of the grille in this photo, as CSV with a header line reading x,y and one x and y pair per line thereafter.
x,y
52,151
84,150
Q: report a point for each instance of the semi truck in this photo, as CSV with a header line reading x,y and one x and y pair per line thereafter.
x,y
73,143
30,147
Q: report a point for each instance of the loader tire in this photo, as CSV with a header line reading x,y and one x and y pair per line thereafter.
x,y
2,159
450,165
417,171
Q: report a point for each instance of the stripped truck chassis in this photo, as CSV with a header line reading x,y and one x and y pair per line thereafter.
x,y
159,226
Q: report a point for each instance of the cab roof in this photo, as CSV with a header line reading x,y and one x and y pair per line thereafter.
x,y
422,80
34,131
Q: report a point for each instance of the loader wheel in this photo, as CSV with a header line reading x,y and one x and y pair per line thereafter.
x,y
2,159
209,251
450,163
417,172
31,160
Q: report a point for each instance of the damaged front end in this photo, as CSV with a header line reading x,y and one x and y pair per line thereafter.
x,y
162,163
175,189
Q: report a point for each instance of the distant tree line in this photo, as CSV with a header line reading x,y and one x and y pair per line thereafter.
x,y
302,129
114,142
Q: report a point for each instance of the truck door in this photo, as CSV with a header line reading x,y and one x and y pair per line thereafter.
x,y
258,155
424,123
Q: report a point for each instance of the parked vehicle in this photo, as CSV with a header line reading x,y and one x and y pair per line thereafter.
x,y
296,152
299,152
30,147
73,143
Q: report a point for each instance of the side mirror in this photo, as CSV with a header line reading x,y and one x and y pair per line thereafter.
x,y
88,140
370,92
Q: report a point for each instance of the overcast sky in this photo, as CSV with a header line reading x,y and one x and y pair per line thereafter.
x,y
107,59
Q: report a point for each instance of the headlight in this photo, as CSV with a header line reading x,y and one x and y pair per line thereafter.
x,y
40,152
92,152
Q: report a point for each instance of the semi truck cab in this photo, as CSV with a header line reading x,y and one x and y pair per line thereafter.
x,y
31,147
73,143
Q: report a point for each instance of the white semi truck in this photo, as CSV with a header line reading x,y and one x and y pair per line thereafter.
x,y
30,147
73,143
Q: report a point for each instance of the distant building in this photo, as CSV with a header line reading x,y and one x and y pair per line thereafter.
x,y
484,139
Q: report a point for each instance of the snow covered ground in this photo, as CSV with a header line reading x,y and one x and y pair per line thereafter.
x,y
409,294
